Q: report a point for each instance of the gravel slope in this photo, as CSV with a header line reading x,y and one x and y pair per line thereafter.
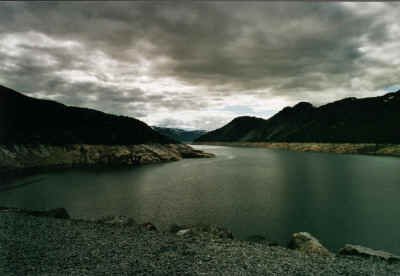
x,y
47,246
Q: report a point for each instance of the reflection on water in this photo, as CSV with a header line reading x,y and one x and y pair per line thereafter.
x,y
339,198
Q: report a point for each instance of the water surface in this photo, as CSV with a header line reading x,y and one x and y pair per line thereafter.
x,y
338,198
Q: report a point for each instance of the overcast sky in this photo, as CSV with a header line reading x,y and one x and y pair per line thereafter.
x,y
199,65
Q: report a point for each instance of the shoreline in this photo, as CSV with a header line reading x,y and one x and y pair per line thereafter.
x,y
27,159
392,150
50,242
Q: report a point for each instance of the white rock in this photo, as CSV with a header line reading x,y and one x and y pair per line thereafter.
x,y
183,232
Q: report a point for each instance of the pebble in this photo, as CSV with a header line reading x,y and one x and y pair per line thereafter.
x,y
47,246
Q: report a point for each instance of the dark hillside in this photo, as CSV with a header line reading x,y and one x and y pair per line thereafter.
x,y
26,120
350,120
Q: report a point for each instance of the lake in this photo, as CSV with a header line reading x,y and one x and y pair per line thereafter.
x,y
338,198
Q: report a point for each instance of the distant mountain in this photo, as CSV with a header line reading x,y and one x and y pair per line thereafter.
x,y
352,120
181,135
26,120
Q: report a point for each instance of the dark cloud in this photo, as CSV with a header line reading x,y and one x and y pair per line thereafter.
x,y
144,59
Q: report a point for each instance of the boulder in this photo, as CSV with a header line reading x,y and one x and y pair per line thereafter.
x,y
305,242
357,250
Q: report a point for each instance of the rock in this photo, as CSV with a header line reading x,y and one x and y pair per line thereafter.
x,y
305,242
362,251
186,151
196,154
117,220
184,232
149,226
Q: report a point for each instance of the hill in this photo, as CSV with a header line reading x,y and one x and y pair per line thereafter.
x,y
350,120
26,120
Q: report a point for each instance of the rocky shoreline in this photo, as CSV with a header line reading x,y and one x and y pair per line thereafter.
x,y
51,243
19,158
340,148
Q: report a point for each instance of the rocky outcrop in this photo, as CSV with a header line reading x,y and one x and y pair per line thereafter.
x,y
46,134
305,242
23,157
362,251
188,152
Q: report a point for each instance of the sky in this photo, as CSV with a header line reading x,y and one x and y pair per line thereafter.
x,y
198,65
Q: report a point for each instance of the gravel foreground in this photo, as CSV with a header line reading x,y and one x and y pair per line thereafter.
x,y
47,246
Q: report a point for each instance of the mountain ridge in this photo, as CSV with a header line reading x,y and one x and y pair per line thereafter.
x,y
27,120
179,134
363,120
